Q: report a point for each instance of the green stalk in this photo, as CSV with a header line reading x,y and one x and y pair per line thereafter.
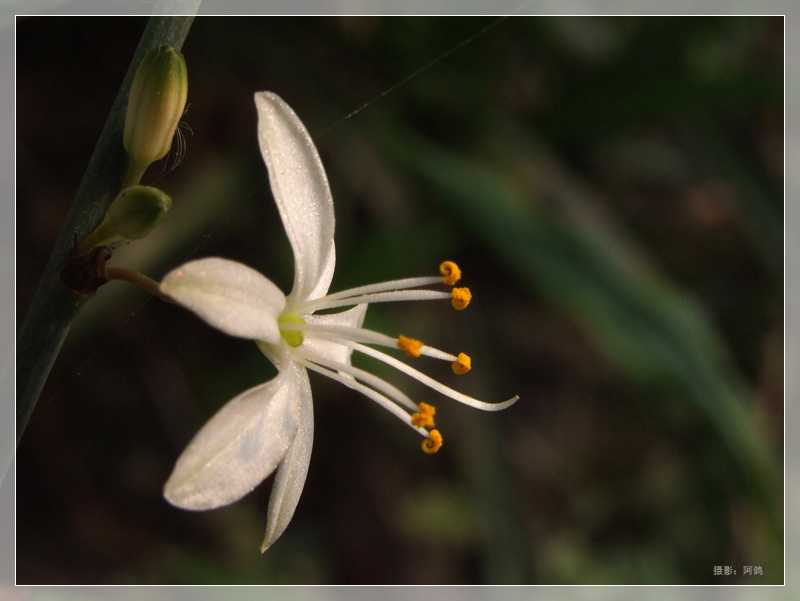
x,y
54,306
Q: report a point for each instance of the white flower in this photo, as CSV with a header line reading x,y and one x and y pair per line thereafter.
x,y
271,426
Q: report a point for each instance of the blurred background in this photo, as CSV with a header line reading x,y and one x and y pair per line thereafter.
x,y
612,189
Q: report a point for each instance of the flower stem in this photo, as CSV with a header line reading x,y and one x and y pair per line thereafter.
x,y
54,306
133,175
139,279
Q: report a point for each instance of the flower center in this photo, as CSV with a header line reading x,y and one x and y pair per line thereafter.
x,y
333,337
293,338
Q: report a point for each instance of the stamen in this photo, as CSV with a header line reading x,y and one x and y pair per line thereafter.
x,y
424,418
380,297
366,391
429,351
430,382
451,272
462,364
390,391
335,333
409,345
403,284
460,298
433,443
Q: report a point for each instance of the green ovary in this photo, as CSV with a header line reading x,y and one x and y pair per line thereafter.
x,y
293,338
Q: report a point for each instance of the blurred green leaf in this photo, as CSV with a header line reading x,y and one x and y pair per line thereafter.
x,y
652,331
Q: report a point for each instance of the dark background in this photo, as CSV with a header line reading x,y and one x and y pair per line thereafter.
x,y
612,189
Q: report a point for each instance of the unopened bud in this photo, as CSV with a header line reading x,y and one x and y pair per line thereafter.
x,y
137,210
133,214
155,105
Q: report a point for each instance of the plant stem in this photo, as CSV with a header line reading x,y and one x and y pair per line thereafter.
x,y
133,175
54,307
136,278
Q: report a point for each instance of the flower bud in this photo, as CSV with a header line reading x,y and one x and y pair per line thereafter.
x,y
136,211
133,214
155,105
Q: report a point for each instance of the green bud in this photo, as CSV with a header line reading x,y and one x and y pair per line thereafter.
x,y
133,214
155,105
136,211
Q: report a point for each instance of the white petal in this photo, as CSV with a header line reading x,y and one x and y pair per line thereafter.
x,y
239,447
229,296
292,471
352,318
301,191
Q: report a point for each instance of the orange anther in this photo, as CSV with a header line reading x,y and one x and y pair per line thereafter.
x,y
460,298
432,444
451,272
462,365
424,418
410,345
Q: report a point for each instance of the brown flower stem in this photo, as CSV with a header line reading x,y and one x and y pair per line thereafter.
x,y
136,278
